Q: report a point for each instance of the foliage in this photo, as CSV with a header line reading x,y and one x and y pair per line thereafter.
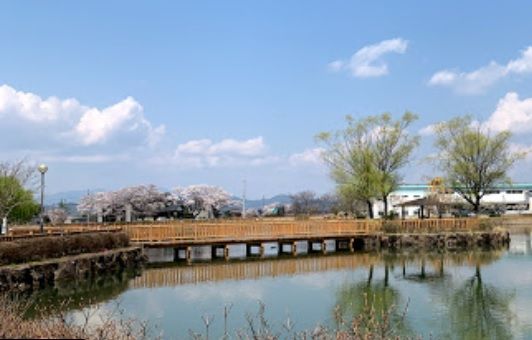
x,y
366,156
473,159
15,201
203,197
41,248
26,211
142,200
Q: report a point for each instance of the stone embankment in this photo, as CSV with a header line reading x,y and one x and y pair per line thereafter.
x,y
36,275
449,240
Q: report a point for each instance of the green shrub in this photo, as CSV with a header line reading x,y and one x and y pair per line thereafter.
x,y
40,248
391,227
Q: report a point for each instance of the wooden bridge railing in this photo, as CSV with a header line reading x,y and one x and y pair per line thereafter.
x,y
243,230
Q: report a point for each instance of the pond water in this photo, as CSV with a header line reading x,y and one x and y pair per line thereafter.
x,y
459,295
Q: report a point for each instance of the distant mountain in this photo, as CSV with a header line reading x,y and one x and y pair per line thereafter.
x,y
259,203
73,196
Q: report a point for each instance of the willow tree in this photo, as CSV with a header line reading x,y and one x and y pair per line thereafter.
x,y
472,158
392,147
366,156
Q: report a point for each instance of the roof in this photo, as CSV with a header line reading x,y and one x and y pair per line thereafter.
x,y
424,201
521,186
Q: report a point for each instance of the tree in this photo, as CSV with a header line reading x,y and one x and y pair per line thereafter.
x,y
366,156
13,196
204,197
57,216
142,200
304,202
392,147
473,159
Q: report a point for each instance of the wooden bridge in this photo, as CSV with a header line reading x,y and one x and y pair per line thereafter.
x,y
190,233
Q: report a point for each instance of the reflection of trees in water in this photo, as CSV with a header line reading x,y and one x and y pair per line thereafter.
x,y
474,310
75,295
369,298
477,310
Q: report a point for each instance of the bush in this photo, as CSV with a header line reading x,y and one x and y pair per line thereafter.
x,y
41,248
391,227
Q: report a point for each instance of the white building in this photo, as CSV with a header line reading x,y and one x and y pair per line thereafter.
x,y
515,198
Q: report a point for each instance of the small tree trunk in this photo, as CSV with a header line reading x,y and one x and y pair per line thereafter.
x,y
370,209
3,229
385,201
477,205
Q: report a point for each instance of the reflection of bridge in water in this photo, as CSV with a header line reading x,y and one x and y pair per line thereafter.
x,y
521,244
251,270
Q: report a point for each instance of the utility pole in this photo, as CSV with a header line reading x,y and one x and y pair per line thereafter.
x,y
244,200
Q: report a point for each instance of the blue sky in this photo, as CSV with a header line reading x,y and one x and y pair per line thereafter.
x,y
119,93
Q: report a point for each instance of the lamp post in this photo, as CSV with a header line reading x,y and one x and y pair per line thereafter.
x,y
42,169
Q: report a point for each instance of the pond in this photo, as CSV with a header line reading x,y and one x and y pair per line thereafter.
x,y
460,295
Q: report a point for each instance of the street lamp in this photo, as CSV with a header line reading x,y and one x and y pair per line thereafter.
x,y
42,169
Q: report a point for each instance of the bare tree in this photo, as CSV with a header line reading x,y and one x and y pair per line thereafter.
x,y
304,202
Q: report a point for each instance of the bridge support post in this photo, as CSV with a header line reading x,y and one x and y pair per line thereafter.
x,y
324,247
294,248
188,254
226,252
352,245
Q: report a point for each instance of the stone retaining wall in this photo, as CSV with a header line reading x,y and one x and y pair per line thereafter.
x,y
451,241
32,276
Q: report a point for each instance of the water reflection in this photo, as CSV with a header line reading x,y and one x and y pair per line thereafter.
x,y
74,295
449,293
477,310
174,275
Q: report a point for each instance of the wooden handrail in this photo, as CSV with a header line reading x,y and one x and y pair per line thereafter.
x,y
285,229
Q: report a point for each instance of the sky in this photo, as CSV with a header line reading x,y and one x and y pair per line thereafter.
x,y
113,94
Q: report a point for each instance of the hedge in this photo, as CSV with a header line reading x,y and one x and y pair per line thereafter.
x,y
41,248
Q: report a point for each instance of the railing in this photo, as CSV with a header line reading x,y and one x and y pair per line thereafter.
x,y
245,230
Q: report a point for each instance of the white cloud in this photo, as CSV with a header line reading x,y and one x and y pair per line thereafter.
x,y
479,80
94,158
511,114
309,156
206,147
96,126
427,130
367,61
52,119
203,153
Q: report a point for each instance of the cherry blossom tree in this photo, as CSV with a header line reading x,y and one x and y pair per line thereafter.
x,y
203,197
57,216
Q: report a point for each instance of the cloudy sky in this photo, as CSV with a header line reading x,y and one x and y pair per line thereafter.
x,y
119,93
